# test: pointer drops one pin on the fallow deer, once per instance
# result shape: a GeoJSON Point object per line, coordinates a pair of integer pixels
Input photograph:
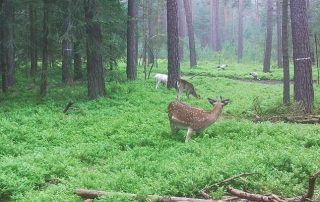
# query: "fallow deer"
{"type": "Point", "coordinates": [161, 78]}
{"type": "Point", "coordinates": [183, 116]}
{"type": "Point", "coordinates": [185, 86]}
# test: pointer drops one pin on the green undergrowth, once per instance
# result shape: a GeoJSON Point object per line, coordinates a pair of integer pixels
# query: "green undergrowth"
{"type": "Point", "coordinates": [122, 142]}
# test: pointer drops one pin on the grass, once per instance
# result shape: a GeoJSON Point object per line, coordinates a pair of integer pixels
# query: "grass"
{"type": "Point", "coordinates": [122, 142]}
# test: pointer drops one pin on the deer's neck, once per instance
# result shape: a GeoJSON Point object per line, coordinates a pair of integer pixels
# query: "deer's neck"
{"type": "Point", "coordinates": [215, 113]}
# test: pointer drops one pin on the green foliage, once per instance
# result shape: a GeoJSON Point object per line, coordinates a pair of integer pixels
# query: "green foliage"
{"type": "Point", "coordinates": [122, 142]}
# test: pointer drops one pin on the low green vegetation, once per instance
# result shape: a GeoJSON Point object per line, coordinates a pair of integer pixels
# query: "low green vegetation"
{"type": "Point", "coordinates": [122, 142]}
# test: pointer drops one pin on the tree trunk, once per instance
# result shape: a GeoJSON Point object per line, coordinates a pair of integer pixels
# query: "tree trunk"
{"type": "Point", "coordinates": [45, 54]}
{"type": "Point", "coordinates": [173, 44]}
{"type": "Point", "coordinates": [268, 45]}
{"type": "Point", "coordinates": [132, 40]}
{"type": "Point", "coordinates": [279, 35]}
{"type": "Point", "coordinates": [192, 47]}
{"type": "Point", "coordinates": [240, 32]}
{"type": "Point", "coordinates": [2, 52]}
{"type": "Point", "coordinates": [285, 54]}
{"type": "Point", "coordinates": [77, 62]}
{"type": "Point", "coordinates": [215, 40]}
{"type": "Point", "coordinates": [303, 84]}
{"type": "Point", "coordinates": [33, 42]}
{"type": "Point", "coordinates": [150, 32]}
{"type": "Point", "coordinates": [96, 85]}
{"type": "Point", "coordinates": [67, 44]}
{"type": "Point", "coordinates": [9, 41]}
{"type": "Point", "coordinates": [182, 26]}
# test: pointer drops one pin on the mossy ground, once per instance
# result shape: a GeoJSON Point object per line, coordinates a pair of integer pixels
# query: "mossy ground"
{"type": "Point", "coordinates": [122, 142]}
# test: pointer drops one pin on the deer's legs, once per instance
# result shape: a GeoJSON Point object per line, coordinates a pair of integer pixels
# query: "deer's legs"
{"type": "Point", "coordinates": [189, 134]}
{"type": "Point", "coordinates": [178, 94]}
{"type": "Point", "coordinates": [174, 130]}
{"type": "Point", "coordinates": [158, 83]}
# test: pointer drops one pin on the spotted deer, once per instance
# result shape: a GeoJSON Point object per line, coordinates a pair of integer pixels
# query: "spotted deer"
{"type": "Point", "coordinates": [183, 116]}
{"type": "Point", "coordinates": [185, 86]}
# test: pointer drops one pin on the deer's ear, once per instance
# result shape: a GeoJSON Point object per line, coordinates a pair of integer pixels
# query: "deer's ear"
{"type": "Point", "coordinates": [226, 101]}
{"type": "Point", "coordinates": [211, 101]}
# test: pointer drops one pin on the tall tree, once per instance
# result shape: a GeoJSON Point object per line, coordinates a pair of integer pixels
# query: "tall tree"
{"type": "Point", "coordinates": [268, 44]}
{"type": "Point", "coordinates": [9, 40]}
{"type": "Point", "coordinates": [303, 84]}
{"type": "Point", "coordinates": [173, 43]}
{"type": "Point", "coordinates": [285, 54]}
{"type": "Point", "coordinates": [215, 28]}
{"type": "Point", "coordinates": [132, 40]}
{"type": "Point", "coordinates": [3, 65]}
{"type": "Point", "coordinates": [279, 34]}
{"type": "Point", "coordinates": [33, 41]}
{"type": "Point", "coordinates": [45, 52]}
{"type": "Point", "coordinates": [192, 47]}
{"type": "Point", "coordinates": [67, 77]}
{"type": "Point", "coordinates": [150, 32]}
{"type": "Point", "coordinates": [182, 26]}
{"type": "Point", "coordinates": [96, 85]}
{"type": "Point", "coordinates": [240, 31]}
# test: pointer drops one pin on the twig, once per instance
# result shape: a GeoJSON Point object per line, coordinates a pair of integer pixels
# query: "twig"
{"type": "Point", "coordinates": [67, 107]}
{"type": "Point", "coordinates": [312, 183]}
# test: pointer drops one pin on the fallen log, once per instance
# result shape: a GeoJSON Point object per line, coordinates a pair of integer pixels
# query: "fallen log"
{"type": "Point", "coordinates": [67, 107]}
{"type": "Point", "coordinates": [254, 197]}
{"type": "Point", "coordinates": [92, 194]}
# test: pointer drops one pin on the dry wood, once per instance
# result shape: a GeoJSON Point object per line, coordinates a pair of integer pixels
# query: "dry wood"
{"type": "Point", "coordinates": [67, 107]}
{"type": "Point", "coordinates": [308, 119]}
{"type": "Point", "coordinates": [312, 183]}
{"type": "Point", "coordinates": [254, 197]}
{"type": "Point", "coordinates": [92, 194]}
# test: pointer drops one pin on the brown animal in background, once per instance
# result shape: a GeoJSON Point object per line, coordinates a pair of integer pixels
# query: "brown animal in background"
{"type": "Point", "coordinates": [183, 116]}
{"type": "Point", "coordinates": [185, 86]}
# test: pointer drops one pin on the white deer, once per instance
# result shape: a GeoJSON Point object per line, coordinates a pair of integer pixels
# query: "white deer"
{"type": "Point", "coordinates": [185, 86]}
{"type": "Point", "coordinates": [161, 78]}
{"type": "Point", "coordinates": [183, 116]}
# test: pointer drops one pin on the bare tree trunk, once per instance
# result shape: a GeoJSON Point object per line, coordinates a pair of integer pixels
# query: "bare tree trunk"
{"type": "Point", "coordinates": [67, 44]}
{"type": "Point", "coordinates": [214, 21]}
{"type": "Point", "coordinates": [3, 66]}
{"type": "Point", "coordinates": [240, 32]}
{"type": "Point", "coordinates": [182, 27]}
{"type": "Point", "coordinates": [9, 41]}
{"type": "Point", "coordinates": [96, 85]}
{"type": "Point", "coordinates": [173, 44]}
{"type": "Point", "coordinates": [132, 40]}
{"type": "Point", "coordinates": [45, 54]}
{"type": "Point", "coordinates": [268, 45]}
{"type": "Point", "coordinates": [279, 35]}
{"type": "Point", "coordinates": [192, 48]}
{"type": "Point", "coordinates": [33, 41]}
{"type": "Point", "coordinates": [285, 54]}
{"type": "Point", "coordinates": [257, 11]}
{"type": "Point", "coordinates": [77, 62]}
{"type": "Point", "coordinates": [150, 31]}
{"type": "Point", "coordinates": [303, 84]}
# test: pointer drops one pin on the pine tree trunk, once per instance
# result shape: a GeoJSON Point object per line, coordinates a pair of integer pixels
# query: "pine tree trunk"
{"type": "Point", "coordinates": [33, 41]}
{"type": "Point", "coordinates": [3, 66]}
{"type": "Point", "coordinates": [45, 54]}
{"type": "Point", "coordinates": [96, 85]}
{"type": "Point", "coordinates": [303, 84]}
{"type": "Point", "coordinates": [217, 26]}
{"type": "Point", "coordinates": [279, 35]}
{"type": "Point", "coordinates": [240, 31]}
{"type": "Point", "coordinates": [182, 26]}
{"type": "Point", "coordinates": [9, 41]}
{"type": "Point", "coordinates": [67, 44]}
{"type": "Point", "coordinates": [77, 61]}
{"type": "Point", "coordinates": [173, 44]}
{"type": "Point", "coordinates": [131, 41]}
{"type": "Point", "coordinates": [285, 54]}
{"type": "Point", "coordinates": [268, 45]}
{"type": "Point", "coordinates": [192, 47]}
{"type": "Point", "coordinates": [150, 32]}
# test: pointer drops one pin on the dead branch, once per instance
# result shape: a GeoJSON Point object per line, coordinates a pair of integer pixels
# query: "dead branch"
{"type": "Point", "coordinates": [312, 183]}
{"type": "Point", "coordinates": [92, 194]}
{"type": "Point", "coordinates": [254, 197]}
{"type": "Point", "coordinates": [67, 107]}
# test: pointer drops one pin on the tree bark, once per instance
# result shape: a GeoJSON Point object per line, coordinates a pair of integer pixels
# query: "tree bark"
{"type": "Point", "coordinates": [279, 34]}
{"type": "Point", "coordinates": [9, 41]}
{"type": "Point", "coordinates": [150, 32]}
{"type": "Point", "coordinates": [173, 44]}
{"type": "Point", "coordinates": [303, 84]}
{"type": "Point", "coordinates": [285, 54]}
{"type": "Point", "coordinates": [67, 44]}
{"type": "Point", "coordinates": [182, 26]}
{"type": "Point", "coordinates": [215, 28]}
{"type": "Point", "coordinates": [268, 45]}
{"type": "Point", "coordinates": [96, 85]}
{"type": "Point", "coordinates": [132, 40]}
{"type": "Point", "coordinates": [77, 62]}
{"type": "Point", "coordinates": [192, 47]}
{"type": "Point", "coordinates": [3, 65]}
{"type": "Point", "coordinates": [45, 54]}
{"type": "Point", "coordinates": [240, 32]}
{"type": "Point", "coordinates": [33, 41]}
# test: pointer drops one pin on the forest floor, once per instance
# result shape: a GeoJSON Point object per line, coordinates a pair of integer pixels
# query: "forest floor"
{"type": "Point", "coordinates": [122, 142]}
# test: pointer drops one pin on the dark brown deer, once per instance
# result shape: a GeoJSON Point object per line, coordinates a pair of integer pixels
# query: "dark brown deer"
{"type": "Point", "coordinates": [183, 116]}
{"type": "Point", "coordinates": [185, 86]}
